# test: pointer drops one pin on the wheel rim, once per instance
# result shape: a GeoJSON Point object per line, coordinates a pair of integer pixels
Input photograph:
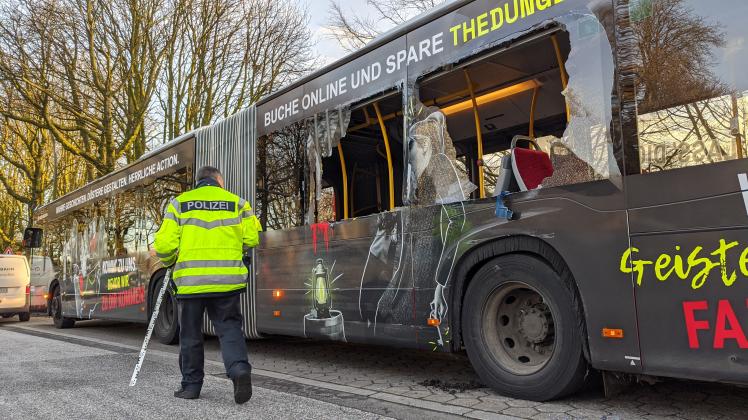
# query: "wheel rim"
{"type": "Point", "coordinates": [518, 327]}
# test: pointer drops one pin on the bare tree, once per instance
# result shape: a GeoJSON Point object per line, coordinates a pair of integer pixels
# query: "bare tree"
{"type": "Point", "coordinates": [27, 174]}
{"type": "Point", "coordinates": [11, 220]}
{"type": "Point", "coordinates": [685, 110]}
{"type": "Point", "coordinates": [87, 70]}
{"type": "Point", "coordinates": [223, 55]}
{"type": "Point", "coordinates": [86, 84]}
{"type": "Point", "coordinates": [353, 31]}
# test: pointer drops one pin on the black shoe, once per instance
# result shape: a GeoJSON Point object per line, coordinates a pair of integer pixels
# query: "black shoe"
{"type": "Point", "coordinates": [242, 387]}
{"type": "Point", "coordinates": [187, 394]}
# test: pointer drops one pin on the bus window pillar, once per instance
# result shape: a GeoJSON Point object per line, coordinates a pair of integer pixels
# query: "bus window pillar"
{"type": "Point", "coordinates": [562, 71]}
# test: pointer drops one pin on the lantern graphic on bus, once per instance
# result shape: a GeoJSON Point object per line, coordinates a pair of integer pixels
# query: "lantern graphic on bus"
{"type": "Point", "coordinates": [321, 293]}
{"type": "Point", "coordinates": [322, 321]}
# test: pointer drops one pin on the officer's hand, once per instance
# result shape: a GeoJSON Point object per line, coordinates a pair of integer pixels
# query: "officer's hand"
{"type": "Point", "coordinates": [172, 287]}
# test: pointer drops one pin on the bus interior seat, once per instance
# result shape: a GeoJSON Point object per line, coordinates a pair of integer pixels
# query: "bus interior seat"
{"type": "Point", "coordinates": [523, 168]}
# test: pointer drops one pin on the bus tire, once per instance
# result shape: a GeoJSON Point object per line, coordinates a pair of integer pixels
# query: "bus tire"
{"type": "Point", "coordinates": [166, 329]}
{"type": "Point", "coordinates": [56, 309]}
{"type": "Point", "coordinates": [521, 329]}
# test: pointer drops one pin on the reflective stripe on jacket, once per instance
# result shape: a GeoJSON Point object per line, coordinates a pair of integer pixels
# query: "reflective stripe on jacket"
{"type": "Point", "coordinates": [203, 235]}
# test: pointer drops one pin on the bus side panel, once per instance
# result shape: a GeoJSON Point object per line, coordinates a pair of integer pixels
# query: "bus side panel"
{"type": "Point", "coordinates": [690, 261]}
{"type": "Point", "coordinates": [96, 287]}
{"type": "Point", "coordinates": [586, 225]}
{"type": "Point", "coordinates": [347, 281]}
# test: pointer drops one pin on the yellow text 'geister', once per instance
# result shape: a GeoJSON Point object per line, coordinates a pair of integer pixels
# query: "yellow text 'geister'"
{"type": "Point", "coordinates": [696, 266]}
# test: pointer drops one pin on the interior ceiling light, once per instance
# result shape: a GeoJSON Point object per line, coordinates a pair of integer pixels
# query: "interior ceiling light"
{"type": "Point", "coordinates": [492, 96]}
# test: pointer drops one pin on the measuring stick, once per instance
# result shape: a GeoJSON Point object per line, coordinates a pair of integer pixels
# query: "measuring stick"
{"type": "Point", "coordinates": [151, 325]}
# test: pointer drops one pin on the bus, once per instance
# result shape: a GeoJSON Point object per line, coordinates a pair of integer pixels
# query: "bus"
{"type": "Point", "coordinates": [551, 186]}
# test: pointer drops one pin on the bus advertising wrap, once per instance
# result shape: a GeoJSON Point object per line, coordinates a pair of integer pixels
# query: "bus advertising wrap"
{"type": "Point", "coordinates": [137, 174]}
{"type": "Point", "coordinates": [458, 34]}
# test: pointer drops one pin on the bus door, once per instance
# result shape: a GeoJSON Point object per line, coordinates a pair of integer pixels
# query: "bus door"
{"type": "Point", "coordinates": [687, 187]}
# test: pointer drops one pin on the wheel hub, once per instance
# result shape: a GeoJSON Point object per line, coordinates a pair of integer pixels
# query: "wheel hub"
{"type": "Point", "coordinates": [522, 329]}
{"type": "Point", "coordinates": [534, 323]}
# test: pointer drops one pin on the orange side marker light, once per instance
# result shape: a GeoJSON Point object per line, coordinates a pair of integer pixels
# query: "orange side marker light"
{"type": "Point", "coordinates": [612, 333]}
{"type": "Point", "coordinates": [277, 294]}
{"type": "Point", "coordinates": [276, 313]}
{"type": "Point", "coordinates": [433, 322]}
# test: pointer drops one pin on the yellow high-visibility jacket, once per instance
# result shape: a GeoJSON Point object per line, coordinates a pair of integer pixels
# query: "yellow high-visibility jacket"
{"type": "Point", "coordinates": [203, 234]}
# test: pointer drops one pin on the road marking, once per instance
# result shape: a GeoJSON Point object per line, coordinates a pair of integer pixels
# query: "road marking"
{"type": "Point", "coordinates": [743, 180]}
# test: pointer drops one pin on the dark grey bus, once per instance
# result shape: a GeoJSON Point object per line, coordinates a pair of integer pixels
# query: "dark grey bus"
{"type": "Point", "coordinates": [552, 186]}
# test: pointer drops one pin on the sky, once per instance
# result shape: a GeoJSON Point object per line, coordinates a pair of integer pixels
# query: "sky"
{"type": "Point", "coordinates": [328, 49]}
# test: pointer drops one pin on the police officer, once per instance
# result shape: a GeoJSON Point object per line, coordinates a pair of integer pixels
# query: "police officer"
{"type": "Point", "coordinates": [203, 235]}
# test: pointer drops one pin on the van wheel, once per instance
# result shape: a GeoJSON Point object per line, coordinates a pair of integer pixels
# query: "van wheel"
{"type": "Point", "coordinates": [24, 316]}
{"type": "Point", "coordinates": [521, 329]}
{"type": "Point", "coordinates": [166, 329]}
{"type": "Point", "coordinates": [56, 309]}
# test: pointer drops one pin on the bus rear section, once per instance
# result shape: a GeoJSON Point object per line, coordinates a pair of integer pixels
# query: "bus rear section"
{"type": "Point", "coordinates": [14, 287]}
{"type": "Point", "coordinates": [619, 245]}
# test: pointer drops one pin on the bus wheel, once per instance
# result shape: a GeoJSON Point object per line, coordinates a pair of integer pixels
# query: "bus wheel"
{"type": "Point", "coordinates": [166, 329]}
{"type": "Point", "coordinates": [521, 329]}
{"type": "Point", "coordinates": [57, 318]}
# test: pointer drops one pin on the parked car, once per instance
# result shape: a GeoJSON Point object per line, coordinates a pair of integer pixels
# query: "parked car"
{"type": "Point", "coordinates": [15, 287]}
{"type": "Point", "coordinates": [42, 275]}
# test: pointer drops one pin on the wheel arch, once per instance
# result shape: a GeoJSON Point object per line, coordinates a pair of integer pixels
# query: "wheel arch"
{"type": "Point", "coordinates": [477, 257]}
{"type": "Point", "coordinates": [51, 294]}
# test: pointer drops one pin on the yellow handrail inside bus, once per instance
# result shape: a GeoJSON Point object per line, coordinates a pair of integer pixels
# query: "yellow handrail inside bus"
{"type": "Point", "coordinates": [532, 112]}
{"type": "Point", "coordinates": [353, 189]}
{"type": "Point", "coordinates": [345, 179]}
{"type": "Point", "coordinates": [481, 181]}
{"type": "Point", "coordinates": [389, 154]}
{"type": "Point", "coordinates": [562, 71]}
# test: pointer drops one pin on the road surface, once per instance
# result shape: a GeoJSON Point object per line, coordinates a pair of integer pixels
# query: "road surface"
{"type": "Point", "coordinates": [84, 372]}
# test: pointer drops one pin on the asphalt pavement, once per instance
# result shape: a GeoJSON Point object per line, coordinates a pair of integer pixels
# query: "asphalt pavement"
{"type": "Point", "coordinates": [84, 373]}
{"type": "Point", "coordinates": [46, 378]}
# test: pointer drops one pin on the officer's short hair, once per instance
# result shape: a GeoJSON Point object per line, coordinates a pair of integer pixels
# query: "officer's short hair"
{"type": "Point", "coordinates": [208, 172]}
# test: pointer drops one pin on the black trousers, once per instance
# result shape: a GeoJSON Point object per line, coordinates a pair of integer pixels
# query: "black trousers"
{"type": "Point", "coordinates": [227, 321]}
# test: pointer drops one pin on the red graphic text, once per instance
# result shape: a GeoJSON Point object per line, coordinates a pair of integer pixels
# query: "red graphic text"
{"type": "Point", "coordinates": [726, 326]}
{"type": "Point", "coordinates": [134, 296]}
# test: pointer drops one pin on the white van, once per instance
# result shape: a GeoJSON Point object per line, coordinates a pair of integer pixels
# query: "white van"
{"type": "Point", "coordinates": [15, 278]}
{"type": "Point", "coordinates": [42, 275]}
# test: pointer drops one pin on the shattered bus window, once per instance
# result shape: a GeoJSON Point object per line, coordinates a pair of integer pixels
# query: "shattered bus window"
{"type": "Point", "coordinates": [585, 152]}
{"type": "Point", "coordinates": [435, 176]}
{"type": "Point", "coordinates": [324, 132]}
{"type": "Point", "coordinates": [528, 116]}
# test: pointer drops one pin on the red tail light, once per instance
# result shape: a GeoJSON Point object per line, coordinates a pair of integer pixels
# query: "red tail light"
{"type": "Point", "coordinates": [28, 290]}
